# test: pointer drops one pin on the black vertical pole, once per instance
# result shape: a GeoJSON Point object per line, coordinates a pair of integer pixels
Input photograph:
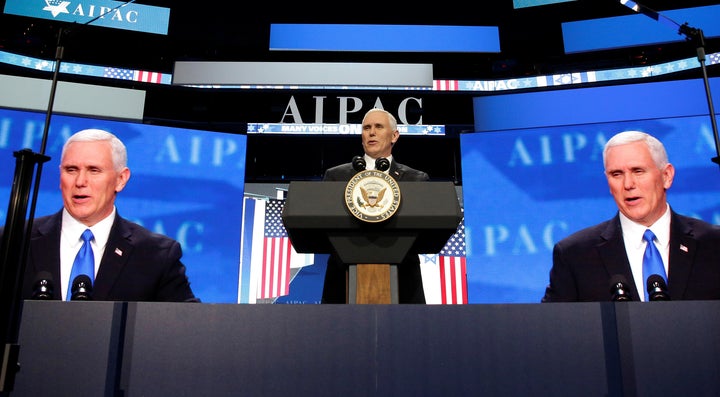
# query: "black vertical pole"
{"type": "Point", "coordinates": [16, 241]}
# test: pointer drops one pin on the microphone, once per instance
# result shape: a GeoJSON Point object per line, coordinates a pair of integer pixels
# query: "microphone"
{"type": "Point", "coordinates": [657, 289]}
{"type": "Point", "coordinates": [358, 163]}
{"type": "Point", "coordinates": [618, 289]}
{"type": "Point", "coordinates": [382, 164]}
{"type": "Point", "coordinates": [44, 286]}
{"type": "Point", "coordinates": [81, 288]}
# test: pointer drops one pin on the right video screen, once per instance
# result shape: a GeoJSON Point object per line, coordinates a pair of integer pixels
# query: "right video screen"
{"type": "Point", "coordinates": [533, 173]}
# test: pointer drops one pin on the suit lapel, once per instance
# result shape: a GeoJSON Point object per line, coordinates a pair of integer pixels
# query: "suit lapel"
{"type": "Point", "coordinates": [395, 171]}
{"type": "Point", "coordinates": [115, 257]}
{"type": "Point", "coordinates": [614, 255]}
{"type": "Point", "coordinates": [45, 254]}
{"type": "Point", "coordinates": [680, 255]}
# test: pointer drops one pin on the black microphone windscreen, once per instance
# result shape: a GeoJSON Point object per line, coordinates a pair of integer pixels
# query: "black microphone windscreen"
{"type": "Point", "coordinates": [81, 288]}
{"type": "Point", "coordinates": [44, 286]}
{"type": "Point", "coordinates": [358, 163]}
{"type": "Point", "coordinates": [382, 164]}
{"type": "Point", "coordinates": [619, 288]}
{"type": "Point", "coordinates": [657, 289]}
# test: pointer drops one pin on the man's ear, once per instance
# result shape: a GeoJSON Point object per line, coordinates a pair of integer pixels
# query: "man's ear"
{"type": "Point", "coordinates": [122, 180]}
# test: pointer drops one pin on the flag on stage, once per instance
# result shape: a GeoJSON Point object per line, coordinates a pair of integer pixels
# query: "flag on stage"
{"type": "Point", "coordinates": [445, 274]}
{"type": "Point", "coordinates": [135, 75]}
{"type": "Point", "coordinates": [266, 253]}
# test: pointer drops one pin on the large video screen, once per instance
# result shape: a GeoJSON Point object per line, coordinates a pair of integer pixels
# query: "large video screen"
{"type": "Point", "coordinates": [534, 178]}
{"type": "Point", "coordinates": [187, 184]}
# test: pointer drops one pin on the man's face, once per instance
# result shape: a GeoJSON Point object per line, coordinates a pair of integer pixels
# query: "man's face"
{"type": "Point", "coordinates": [88, 181]}
{"type": "Point", "coordinates": [377, 137]}
{"type": "Point", "coordinates": [637, 185]}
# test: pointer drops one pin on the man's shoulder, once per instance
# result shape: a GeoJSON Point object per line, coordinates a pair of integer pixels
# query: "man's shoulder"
{"type": "Point", "coordinates": [139, 233]}
{"type": "Point", "coordinates": [593, 234]}
{"type": "Point", "coordinates": [410, 173]}
{"type": "Point", "coordinates": [339, 172]}
{"type": "Point", "coordinates": [697, 226]}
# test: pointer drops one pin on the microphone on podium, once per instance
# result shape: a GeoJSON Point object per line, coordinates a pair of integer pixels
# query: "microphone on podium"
{"type": "Point", "coordinates": [657, 289]}
{"type": "Point", "coordinates": [619, 288]}
{"type": "Point", "coordinates": [358, 163]}
{"type": "Point", "coordinates": [382, 164]}
{"type": "Point", "coordinates": [81, 288]}
{"type": "Point", "coordinates": [44, 286]}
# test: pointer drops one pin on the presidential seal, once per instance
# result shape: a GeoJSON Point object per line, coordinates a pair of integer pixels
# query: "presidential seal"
{"type": "Point", "coordinates": [372, 196]}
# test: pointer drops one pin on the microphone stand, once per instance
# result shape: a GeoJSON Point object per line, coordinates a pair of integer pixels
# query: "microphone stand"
{"type": "Point", "coordinates": [14, 246]}
{"type": "Point", "coordinates": [691, 34]}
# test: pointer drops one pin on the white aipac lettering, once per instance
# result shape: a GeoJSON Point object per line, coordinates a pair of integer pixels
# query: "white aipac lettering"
{"type": "Point", "coordinates": [319, 101]}
{"type": "Point", "coordinates": [347, 105]}
{"type": "Point", "coordinates": [518, 239]}
{"type": "Point", "coordinates": [569, 148]}
{"type": "Point", "coordinates": [190, 230]}
{"type": "Point", "coordinates": [483, 85]}
{"type": "Point", "coordinates": [5, 124]}
{"type": "Point", "coordinates": [706, 141]}
{"type": "Point", "coordinates": [223, 148]}
{"type": "Point", "coordinates": [572, 143]}
{"type": "Point", "coordinates": [131, 16]}
{"type": "Point", "coordinates": [115, 13]}
{"type": "Point", "coordinates": [402, 110]}
{"type": "Point", "coordinates": [169, 151]}
{"type": "Point", "coordinates": [520, 154]}
{"type": "Point", "coordinates": [524, 242]}
{"type": "Point", "coordinates": [357, 105]}
{"type": "Point", "coordinates": [294, 112]}
{"type": "Point", "coordinates": [79, 11]}
{"type": "Point", "coordinates": [552, 232]}
{"type": "Point", "coordinates": [195, 150]}
{"type": "Point", "coordinates": [494, 235]}
{"type": "Point", "coordinates": [116, 16]}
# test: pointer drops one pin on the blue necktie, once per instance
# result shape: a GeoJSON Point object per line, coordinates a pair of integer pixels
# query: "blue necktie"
{"type": "Point", "coordinates": [652, 261]}
{"type": "Point", "coordinates": [84, 262]}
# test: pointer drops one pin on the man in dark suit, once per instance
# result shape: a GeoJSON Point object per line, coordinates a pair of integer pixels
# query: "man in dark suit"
{"type": "Point", "coordinates": [586, 262]}
{"type": "Point", "coordinates": [131, 263]}
{"type": "Point", "coordinates": [379, 134]}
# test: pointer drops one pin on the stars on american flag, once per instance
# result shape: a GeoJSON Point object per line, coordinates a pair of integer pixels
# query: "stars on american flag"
{"type": "Point", "coordinates": [456, 243]}
{"type": "Point", "coordinates": [273, 221]}
{"type": "Point", "coordinates": [117, 73]}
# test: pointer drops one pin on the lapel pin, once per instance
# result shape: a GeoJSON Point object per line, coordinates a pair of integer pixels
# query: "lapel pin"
{"type": "Point", "coordinates": [118, 252]}
{"type": "Point", "coordinates": [683, 248]}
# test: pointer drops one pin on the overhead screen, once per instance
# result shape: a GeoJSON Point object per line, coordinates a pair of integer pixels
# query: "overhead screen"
{"type": "Point", "coordinates": [534, 178]}
{"type": "Point", "coordinates": [187, 184]}
{"type": "Point", "coordinates": [535, 3]}
{"type": "Point", "coordinates": [383, 38]}
{"type": "Point", "coordinates": [639, 29]}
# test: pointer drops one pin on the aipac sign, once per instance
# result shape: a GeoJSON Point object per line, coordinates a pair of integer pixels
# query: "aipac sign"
{"type": "Point", "coordinates": [112, 14]}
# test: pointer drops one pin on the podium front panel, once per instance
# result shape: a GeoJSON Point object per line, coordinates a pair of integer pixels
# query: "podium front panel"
{"type": "Point", "coordinates": [365, 350]}
{"type": "Point", "coordinates": [250, 350]}
{"type": "Point", "coordinates": [673, 348]}
{"type": "Point", "coordinates": [493, 350]}
{"type": "Point", "coordinates": [69, 348]}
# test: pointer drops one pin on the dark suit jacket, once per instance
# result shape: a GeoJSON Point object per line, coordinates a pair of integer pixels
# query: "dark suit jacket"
{"type": "Point", "coordinates": [584, 262]}
{"type": "Point", "coordinates": [137, 265]}
{"type": "Point", "coordinates": [410, 288]}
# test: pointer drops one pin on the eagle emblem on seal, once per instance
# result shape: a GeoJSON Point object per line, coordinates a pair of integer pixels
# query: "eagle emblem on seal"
{"type": "Point", "coordinates": [372, 198]}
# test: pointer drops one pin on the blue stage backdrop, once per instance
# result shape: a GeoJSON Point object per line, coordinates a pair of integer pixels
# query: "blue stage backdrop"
{"type": "Point", "coordinates": [541, 178]}
{"type": "Point", "coordinates": [187, 184]}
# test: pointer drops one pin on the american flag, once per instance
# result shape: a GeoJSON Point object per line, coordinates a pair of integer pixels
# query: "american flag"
{"type": "Point", "coordinates": [453, 268]}
{"type": "Point", "coordinates": [130, 74]}
{"type": "Point", "coordinates": [445, 85]}
{"type": "Point", "coordinates": [445, 274]}
{"type": "Point", "coordinates": [277, 253]}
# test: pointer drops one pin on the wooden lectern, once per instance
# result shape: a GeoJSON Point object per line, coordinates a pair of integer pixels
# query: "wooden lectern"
{"type": "Point", "coordinates": [317, 221]}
